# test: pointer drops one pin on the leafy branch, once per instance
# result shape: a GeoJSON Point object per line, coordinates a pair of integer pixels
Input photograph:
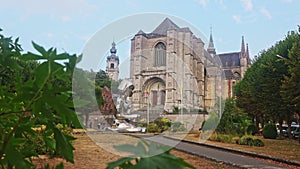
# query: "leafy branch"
{"type": "Point", "coordinates": [148, 155]}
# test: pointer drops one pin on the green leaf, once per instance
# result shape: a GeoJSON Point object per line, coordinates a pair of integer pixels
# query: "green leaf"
{"type": "Point", "coordinates": [122, 161]}
{"type": "Point", "coordinates": [62, 56]}
{"type": "Point", "coordinates": [41, 73]}
{"type": "Point", "coordinates": [40, 49]}
{"type": "Point", "coordinates": [146, 160]}
{"type": "Point", "coordinates": [63, 145]}
{"type": "Point", "coordinates": [15, 157]}
{"type": "Point", "coordinates": [32, 56]}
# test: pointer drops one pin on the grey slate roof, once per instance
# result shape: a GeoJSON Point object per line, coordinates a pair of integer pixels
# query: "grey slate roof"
{"type": "Point", "coordinates": [230, 60]}
{"type": "Point", "coordinates": [162, 28]}
{"type": "Point", "coordinates": [228, 74]}
{"type": "Point", "coordinates": [166, 25]}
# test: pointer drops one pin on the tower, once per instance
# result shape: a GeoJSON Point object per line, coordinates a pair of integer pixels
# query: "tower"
{"type": "Point", "coordinates": [112, 63]}
{"type": "Point", "coordinates": [211, 47]}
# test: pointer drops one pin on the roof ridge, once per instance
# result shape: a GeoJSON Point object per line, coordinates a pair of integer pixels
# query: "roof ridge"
{"type": "Point", "coordinates": [164, 26]}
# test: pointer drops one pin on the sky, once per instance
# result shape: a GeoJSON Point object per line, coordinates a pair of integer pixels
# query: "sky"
{"type": "Point", "coordinates": [72, 25]}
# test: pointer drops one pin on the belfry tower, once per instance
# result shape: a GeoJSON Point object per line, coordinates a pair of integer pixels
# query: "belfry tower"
{"type": "Point", "coordinates": [112, 64]}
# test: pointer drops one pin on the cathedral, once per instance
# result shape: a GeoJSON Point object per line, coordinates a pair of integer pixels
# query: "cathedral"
{"type": "Point", "coordinates": [171, 69]}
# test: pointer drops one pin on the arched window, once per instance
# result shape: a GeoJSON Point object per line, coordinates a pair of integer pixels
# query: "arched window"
{"type": "Point", "coordinates": [112, 66]}
{"type": "Point", "coordinates": [160, 54]}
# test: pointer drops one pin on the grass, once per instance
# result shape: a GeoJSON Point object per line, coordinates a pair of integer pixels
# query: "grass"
{"type": "Point", "coordinates": [285, 149]}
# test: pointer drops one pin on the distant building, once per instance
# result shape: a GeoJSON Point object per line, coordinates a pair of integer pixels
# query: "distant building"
{"type": "Point", "coordinates": [112, 64]}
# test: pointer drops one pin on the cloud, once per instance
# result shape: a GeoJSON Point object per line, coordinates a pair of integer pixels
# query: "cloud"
{"type": "Point", "coordinates": [247, 4]}
{"type": "Point", "coordinates": [203, 3]}
{"type": "Point", "coordinates": [266, 13]}
{"type": "Point", "coordinates": [221, 3]}
{"type": "Point", "coordinates": [237, 18]}
{"type": "Point", "coordinates": [245, 19]}
{"type": "Point", "coordinates": [59, 9]}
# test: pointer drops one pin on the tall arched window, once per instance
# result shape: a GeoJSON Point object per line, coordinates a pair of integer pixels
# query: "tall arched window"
{"type": "Point", "coordinates": [160, 54]}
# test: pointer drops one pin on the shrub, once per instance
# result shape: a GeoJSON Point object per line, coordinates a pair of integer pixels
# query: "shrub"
{"type": "Point", "coordinates": [152, 128]}
{"type": "Point", "coordinates": [250, 141]}
{"type": "Point", "coordinates": [211, 122]}
{"type": "Point", "coordinates": [270, 131]}
{"type": "Point", "coordinates": [162, 123]}
{"type": "Point", "coordinates": [258, 142]}
{"type": "Point", "coordinates": [252, 129]}
{"type": "Point", "coordinates": [235, 139]}
{"type": "Point", "coordinates": [225, 138]}
{"type": "Point", "coordinates": [177, 126]}
{"type": "Point", "coordinates": [64, 129]}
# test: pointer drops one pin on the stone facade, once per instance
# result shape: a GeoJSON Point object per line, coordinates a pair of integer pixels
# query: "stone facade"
{"type": "Point", "coordinates": [167, 69]}
{"type": "Point", "coordinates": [170, 68]}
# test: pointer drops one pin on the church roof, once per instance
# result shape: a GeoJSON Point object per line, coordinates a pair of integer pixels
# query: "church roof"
{"type": "Point", "coordinates": [228, 74]}
{"type": "Point", "coordinates": [166, 25]}
{"type": "Point", "coordinates": [230, 60]}
{"type": "Point", "coordinates": [162, 29]}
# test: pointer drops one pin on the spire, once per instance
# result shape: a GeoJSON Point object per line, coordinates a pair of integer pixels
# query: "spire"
{"type": "Point", "coordinates": [211, 47]}
{"type": "Point", "coordinates": [113, 49]}
{"type": "Point", "coordinates": [247, 51]}
{"type": "Point", "coordinates": [243, 46]}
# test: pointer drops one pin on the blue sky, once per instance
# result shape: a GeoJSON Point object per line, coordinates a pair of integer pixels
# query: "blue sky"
{"type": "Point", "coordinates": [69, 24]}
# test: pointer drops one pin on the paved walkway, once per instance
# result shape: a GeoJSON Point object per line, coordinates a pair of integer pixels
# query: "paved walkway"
{"type": "Point", "coordinates": [215, 154]}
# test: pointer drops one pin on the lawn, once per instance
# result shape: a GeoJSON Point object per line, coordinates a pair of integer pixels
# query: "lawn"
{"type": "Point", "coordinates": [285, 149]}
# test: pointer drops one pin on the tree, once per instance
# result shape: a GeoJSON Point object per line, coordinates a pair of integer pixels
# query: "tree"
{"type": "Point", "coordinates": [259, 93]}
{"type": "Point", "coordinates": [33, 99]}
{"type": "Point", "coordinates": [290, 90]}
{"type": "Point", "coordinates": [233, 120]}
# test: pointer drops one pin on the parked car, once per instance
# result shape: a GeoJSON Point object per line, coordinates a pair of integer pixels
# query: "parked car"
{"type": "Point", "coordinates": [295, 133]}
{"type": "Point", "coordinates": [284, 130]}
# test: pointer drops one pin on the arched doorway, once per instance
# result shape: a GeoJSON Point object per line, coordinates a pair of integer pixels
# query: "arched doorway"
{"type": "Point", "coordinates": [155, 92]}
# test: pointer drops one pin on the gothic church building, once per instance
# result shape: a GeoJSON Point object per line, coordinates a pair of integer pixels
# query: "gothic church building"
{"type": "Point", "coordinates": [169, 68]}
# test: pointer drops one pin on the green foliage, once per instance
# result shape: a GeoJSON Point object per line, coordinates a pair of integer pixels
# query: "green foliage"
{"type": "Point", "coordinates": [152, 128]}
{"type": "Point", "coordinates": [39, 96]}
{"type": "Point", "coordinates": [267, 90]}
{"type": "Point", "coordinates": [163, 124]}
{"type": "Point", "coordinates": [211, 122]}
{"type": "Point", "coordinates": [224, 138]}
{"type": "Point", "coordinates": [177, 126]}
{"type": "Point", "coordinates": [252, 129]}
{"type": "Point", "coordinates": [159, 125]}
{"type": "Point", "coordinates": [269, 131]}
{"type": "Point", "coordinates": [233, 120]}
{"type": "Point", "coordinates": [250, 141]}
{"type": "Point", "coordinates": [147, 155]}
{"type": "Point", "coordinates": [290, 86]}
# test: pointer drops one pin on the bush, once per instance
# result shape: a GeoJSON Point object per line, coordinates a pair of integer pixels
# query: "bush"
{"type": "Point", "coordinates": [270, 131]}
{"type": "Point", "coordinates": [211, 123]}
{"type": "Point", "coordinates": [162, 123]}
{"type": "Point", "coordinates": [252, 129]}
{"type": "Point", "coordinates": [250, 141]}
{"type": "Point", "coordinates": [152, 128]}
{"type": "Point", "coordinates": [177, 126]}
{"type": "Point", "coordinates": [64, 129]}
{"type": "Point", "coordinates": [223, 138]}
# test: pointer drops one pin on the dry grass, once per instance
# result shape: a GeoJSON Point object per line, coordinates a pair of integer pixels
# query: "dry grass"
{"type": "Point", "coordinates": [88, 155]}
{"type": "Point", "coordinates": [286, 149]}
